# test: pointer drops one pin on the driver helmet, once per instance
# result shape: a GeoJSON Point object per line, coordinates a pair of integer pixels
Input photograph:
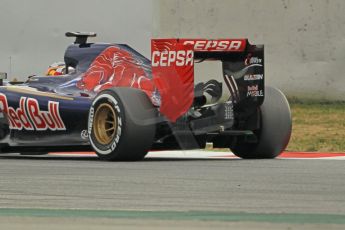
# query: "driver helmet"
{"type": "Point", "coordinates": [56, 69]}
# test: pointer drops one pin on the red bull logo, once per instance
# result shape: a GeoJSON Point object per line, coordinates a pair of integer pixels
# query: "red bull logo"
{"type": "Point", "coordinates": [29, 116]}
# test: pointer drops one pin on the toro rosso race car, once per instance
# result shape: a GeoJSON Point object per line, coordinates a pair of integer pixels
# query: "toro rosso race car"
{"type": "Point", "coordinates": [120, 104]}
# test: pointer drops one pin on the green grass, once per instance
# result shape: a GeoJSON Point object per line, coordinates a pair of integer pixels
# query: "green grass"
{"type": "Point", "coordinates": [317, 126]}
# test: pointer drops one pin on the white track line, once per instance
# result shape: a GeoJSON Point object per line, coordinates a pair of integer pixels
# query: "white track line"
{"type": "Point", "coordinates": [197, 154]}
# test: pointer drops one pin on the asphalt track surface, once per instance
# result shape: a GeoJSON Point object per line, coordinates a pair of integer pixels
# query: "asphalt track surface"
{"type": "Point", "coordinates": [172, 191]}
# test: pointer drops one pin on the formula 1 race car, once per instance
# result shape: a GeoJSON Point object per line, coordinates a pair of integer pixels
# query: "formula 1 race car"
{"type": "Point", "coordinates": [121, 105]}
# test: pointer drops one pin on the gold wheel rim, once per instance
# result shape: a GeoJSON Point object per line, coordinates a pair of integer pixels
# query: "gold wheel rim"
{"type": "Point", "coordinates": [105, 124]}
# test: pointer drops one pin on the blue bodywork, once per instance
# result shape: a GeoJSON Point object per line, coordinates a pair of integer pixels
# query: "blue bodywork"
{"type": "Point", "coordinates": [73, 102]}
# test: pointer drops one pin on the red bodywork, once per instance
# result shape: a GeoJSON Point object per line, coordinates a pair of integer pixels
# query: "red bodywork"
{"type": "Point", "coordinates": [172, 63]}
{"type": "Point", "coordinates": [173, 74]}
{"type": "Point", "coordinates": [115, 67]}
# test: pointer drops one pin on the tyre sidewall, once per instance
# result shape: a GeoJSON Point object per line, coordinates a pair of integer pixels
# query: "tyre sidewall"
{"type": "Point", "coordinates": [112, 99]}
{"type": "Point", "coordinates": [275, 128]}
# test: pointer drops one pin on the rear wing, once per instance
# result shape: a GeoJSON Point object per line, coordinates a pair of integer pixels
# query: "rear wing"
{"type": "Point", "coordinates": [173, 62]}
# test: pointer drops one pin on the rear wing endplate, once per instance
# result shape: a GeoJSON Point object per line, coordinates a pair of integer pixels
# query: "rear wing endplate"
{"type": "Point", "coordinates": [173, 71]}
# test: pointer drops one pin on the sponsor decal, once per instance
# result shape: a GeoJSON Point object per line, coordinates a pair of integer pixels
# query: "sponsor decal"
{"type": "Point", "coordinates": [84, 134]}
{"type": "Point", "coordinates": [216, 45]}
{"type": "Point", "coordinates": [253, 91]}
{"type": "Point", "coordinates": [29, 116]}
{"type": "Point", "coordinates": [105, 149]}
{"type": "Point", "coordinates": [253, 77]}
{"type": "Point", "coordinates": [252, 60]}
{"type": "Point", "coordinates": [173, 75]}
{"type": "Point", "coordinates": [167, 58]}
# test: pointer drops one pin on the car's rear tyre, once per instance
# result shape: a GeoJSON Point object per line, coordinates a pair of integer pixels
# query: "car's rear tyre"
{"type": "Point", "coordinates": [275, 128]}
{"type": "Point", "coordinates": [121, 124]}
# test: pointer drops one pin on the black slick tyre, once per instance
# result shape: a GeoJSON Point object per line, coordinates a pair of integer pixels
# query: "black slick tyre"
{"type": "Point", "coordinates": [275, 128]}
{"type": "Point", "coordinates": [121, 124]}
